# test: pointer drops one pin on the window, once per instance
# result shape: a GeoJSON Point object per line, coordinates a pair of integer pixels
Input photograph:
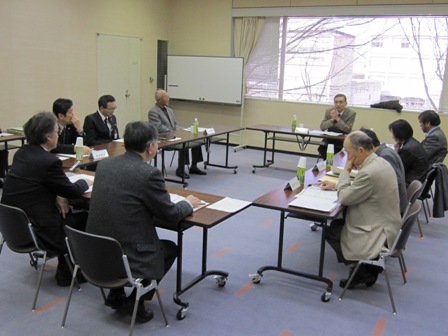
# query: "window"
{"type": "Point", "coordinates": [313, 59]}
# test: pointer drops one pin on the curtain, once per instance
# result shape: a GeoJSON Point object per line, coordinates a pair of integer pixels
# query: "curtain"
{"type": "Point", "coordinates": [246, 33]}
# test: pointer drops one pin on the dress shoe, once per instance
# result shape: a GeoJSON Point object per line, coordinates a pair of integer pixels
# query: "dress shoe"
{"type": "Point", "coordinates": [143, 315]}
{"type": "Point", "coordinates": [115, 299]}
{"type": "Point", "coordinates": [361, 277]}
{"type": "Point", "coordinates": [180, 173]}
{"type": "Point", "coordinates": [197, 171]}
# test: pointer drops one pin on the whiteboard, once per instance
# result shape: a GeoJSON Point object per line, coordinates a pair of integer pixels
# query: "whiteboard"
{"type": "Point", "coordinates": [206, 79]}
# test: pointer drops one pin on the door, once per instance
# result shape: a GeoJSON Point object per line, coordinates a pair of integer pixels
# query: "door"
{"type": "Point", "coordinates": [119, 74]}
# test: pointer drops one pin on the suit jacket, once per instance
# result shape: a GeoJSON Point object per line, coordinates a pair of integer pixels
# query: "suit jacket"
{"type": "Point", "coordinates": [391, 156]}
{"type": "Point", "coordinates": [67, 140]}
{"type": "Point", "coordinates": [435, 146]}
{"type": "Point", "coordinates": [97, 132]}
{"type": "Point", "coordinates": [157, 117]}
{"type": "Point", "coordinates": [415, 161]}
{"type": "Point", "coordinates": [35, 179]}
{"type": "Point", "coordinates": [344, 124]}
{"type": "Point", "coordinates": [128, 198]}
{"type": "Point", "coordinates": [373, 213]}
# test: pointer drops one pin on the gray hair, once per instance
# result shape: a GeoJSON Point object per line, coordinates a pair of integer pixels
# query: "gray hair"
{"type": "Point", "coordinates": [359, 139]}
{"type": "Point", "coordinates": [39, 127]}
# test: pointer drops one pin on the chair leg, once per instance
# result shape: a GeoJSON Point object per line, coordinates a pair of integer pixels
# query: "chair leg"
{"type": "Point", "coordinates": [419, 228]}
{"type": "Point", "coordinates": [103, 294]}
{"type": "Point", "coordinates": [39, 280]}
{"type": "Point", "coordinates": [134, 313]}
{"type": "Point", "coordinates": [390, 290]}
{"type": "Point", "coordinates": [349, 280]}
{"type": "Point", "coordinates": [75, 271]}
{"type": "Point", "coordinates": [403, 267]}
{"type": "Point", "coordinates": [424, 210]}
{"type": "Point", "coordinates": [69, 264]}
{"type": "Point", "coordinates": [172, 158]}
{"type": "Point", "coordinates": [161, 307]}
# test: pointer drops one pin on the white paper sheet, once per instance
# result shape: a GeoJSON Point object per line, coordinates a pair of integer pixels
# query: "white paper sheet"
{"type": "Point", "coordinates": [229, 205]}
{"type": "Point", "coordinates": [75, 177]}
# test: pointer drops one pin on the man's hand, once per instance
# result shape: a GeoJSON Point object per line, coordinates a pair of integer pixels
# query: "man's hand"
{"type": "Point", "coordinates": [62, 204]}
{"type": "Point", "coordinates": [335, 115]}
{"type": "Point", "coordinates": [397, 146]}
{"type": "Point", "coordinates": [349, 165]}
{"type": "Point", "coordinates": [77, 123]}
{"type": "Point", "coordinates": [327, 185]}
{"type": "Point", "coordinates": [86, 150]}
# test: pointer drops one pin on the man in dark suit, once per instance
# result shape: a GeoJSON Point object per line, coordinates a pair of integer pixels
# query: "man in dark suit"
{"type": "Point", "coordinates": [139, 199]}
{"type": "Point", "coordinates": [162, 117]}
{"type": "Point", "coordinates": [434, 143]}
{"type": "Point", "coordinates": [338, 118]}
{"type": "Point", "coordinates": [70, 127]}
{"type": "Point", "coordinates": [101, 127]}
{"type": "Point", "coordinates": [37, 184]}
{"type": "Point", "coordinates": [3, 165]}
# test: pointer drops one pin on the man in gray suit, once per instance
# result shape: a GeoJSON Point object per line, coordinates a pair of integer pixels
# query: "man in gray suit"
{"type": "Point", "coordinates": [391, 156]}
{"type": "Point", "coordinates": [162, 117]}
{"type": "Point", "coordinates": [128, 199]}
{"type": "Point", "coordinates": [372, 217]}
{"type": "Point", "coordinates": [338, 119]}
{"type": "Point", "coordinates": [435, 140]}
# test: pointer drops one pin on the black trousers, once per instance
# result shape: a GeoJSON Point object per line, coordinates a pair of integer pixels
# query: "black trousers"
{"type": "Point", "coordinates": [322, 149]}
{"type": "Point", "coordinates": [3, 163]}
{"type": "Point", "coordinates": [196, 156]}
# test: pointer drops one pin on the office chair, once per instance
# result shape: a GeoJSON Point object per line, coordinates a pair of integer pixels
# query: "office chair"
{"type": "Point", "coordinates": [103, 264]}
{"type": "Point", "coordinates": [395, 252]}
{"type": "Point", "coordinates": [414, 191]}
{"type": "Point", "coordinates": [17, 231]}
{"type": "Point", "coordinates": [426, 193]}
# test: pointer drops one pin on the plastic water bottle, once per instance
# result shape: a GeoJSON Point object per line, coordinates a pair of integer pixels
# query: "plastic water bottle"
{"type": "Point", "coordinates": [330, 154]}
{"type": "Point", "coordinates": [196, 126]}
{"type": "Point", "coordinates": [294, 123]}
{"type": "Point", "coordinates": [79, 149]}
{"type": "Point", "coordinates": [301, 168]}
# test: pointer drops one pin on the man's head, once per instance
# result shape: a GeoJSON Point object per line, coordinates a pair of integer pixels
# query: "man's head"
{"type": "Point", "coordinates": [141, 137]}
{"type": "Point", "coordinates": [428, 119]}
{"type": "Point", "coordinates": [358, 146]}
{"type": "Point", "coordinates": [162, 98]}
{"type": "Point", "coordinates": [340, 102]}
{"type": "Point", "coordinates": [401, 130]}
{"type": "Point", "coordinates": [372, 135]}
{"type": "Point", "coordinates": [63, 110]}
{"type": "Point", "coordinates": [42, 129]}
{"type": "Point", "coordinates": [107, 105]}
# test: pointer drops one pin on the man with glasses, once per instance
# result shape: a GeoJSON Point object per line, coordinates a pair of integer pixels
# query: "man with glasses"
{"type": "Point", "coordinates": [101, 126]}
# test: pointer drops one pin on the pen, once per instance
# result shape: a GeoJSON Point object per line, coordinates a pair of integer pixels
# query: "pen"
{"type": "Point", "coordinates": [75, 165]}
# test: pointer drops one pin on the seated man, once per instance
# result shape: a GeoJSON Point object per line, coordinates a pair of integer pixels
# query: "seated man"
{"type": "Point", "coordinates": [338, 119]}
{"type": "Point", "coordinates": [391, 156]}
{"type": "Point", "coordinates": [69, 127]}
{"type": "Point", "coordinates": [372, 217]}
{"type": "Point", "coordinates": [162, 117]}
{"type": "Point", "coordinates": [129, 216]}
{"type": "Point", "coordinates": [101, 126]}
{"type": "Point", "coordinates": [37, 183]}
{"type": "Point", "coordinates": [411, 152]}
{"type": "Point", "coordinates": [435, 140]}
{"type": "Point", "coordinates": [3, 165]}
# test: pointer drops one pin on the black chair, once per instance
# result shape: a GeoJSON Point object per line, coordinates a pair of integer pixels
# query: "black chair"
{"type": "Point", "coordinates": [426, 192]}
{"type": "Point", "coordinates": [18, 234]}
{"type": "Point", "coordinates": [395, 252]}
{"type": "Point", "coordinates": [414, 191]}
{"type": "Point", "coordinates": [103, 264]}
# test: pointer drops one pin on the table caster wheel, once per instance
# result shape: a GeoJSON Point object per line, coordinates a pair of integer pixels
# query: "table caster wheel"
{"type": "Point", "coordinates": [220, 280]}
{"type": "Point", "coordinates": [235, 171]}
{"type": "Point", "coordinates": [256, 278]}
{"type": "Point", "coordinates": [313, 227]}
{"type": "Point", "coordinates": [325, 297]}
{"type": "Point", "coordinates": [253, 171]}
{"type": "Point", "coordinates": [181, 313]}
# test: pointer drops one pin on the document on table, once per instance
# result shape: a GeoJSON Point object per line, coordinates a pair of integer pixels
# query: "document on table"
{"type": "Point", "coordinates": [175, 198]}
{"type": "Point", "coordinates": [75, 177]}
{"type": "Point", "coordinates": [228, 204]}
{"type": "Point", "coordinates": [315, 198]}
{"type": "Point", "coordinates": [5, 134]}
{"type": "Point", "coordinates": [63, 156]}
{"type": "Point", "coordinates": [119, 140]}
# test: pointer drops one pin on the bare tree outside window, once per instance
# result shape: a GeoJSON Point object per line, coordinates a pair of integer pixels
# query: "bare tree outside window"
{"type": "Point", "coordinates": [368, 59]}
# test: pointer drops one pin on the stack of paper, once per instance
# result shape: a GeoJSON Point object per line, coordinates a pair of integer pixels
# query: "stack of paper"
{"type": "Point", "coordinates": [315, 198]}
{"type": "Point", "coordinates": [175, 198]}
{"type": "Point", "coordinates": [75, 177]}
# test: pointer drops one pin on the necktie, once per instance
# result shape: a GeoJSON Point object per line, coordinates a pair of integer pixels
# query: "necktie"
{"type": "Point", "coordinates": [62, 136]}
{"type": "Point", "coordinates": [109, 125]}
{"type": "Point", "coordinates": [166, 115]}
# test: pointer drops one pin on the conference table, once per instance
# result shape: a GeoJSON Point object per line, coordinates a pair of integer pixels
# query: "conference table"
{"type": "Point", "coordinates": [181, 139]}
{"type": "Point", "coordinates": [5, 138]}
{"type": "Point", "coordinates": [279, 199]}
{"type": "Point", "coordinates": [282, 133]}
{"type": "Point", "coordinates": [205, 218]}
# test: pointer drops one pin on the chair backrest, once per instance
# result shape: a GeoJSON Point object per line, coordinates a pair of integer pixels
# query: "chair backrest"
{"type": "Point", "coordinates": [414, 190]}
{"type": "Point", "coordinates": [406, 228]}
{"type": "Point", "coordinates": [429, 180]}
{"type": "Point", "coordinates": [100, 258]}
{"type": "Point", "coordinates": [14, 228]}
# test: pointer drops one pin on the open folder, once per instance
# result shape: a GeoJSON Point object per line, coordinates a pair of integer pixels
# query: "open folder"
{"type": "Point", "coordinates": [314, 198]}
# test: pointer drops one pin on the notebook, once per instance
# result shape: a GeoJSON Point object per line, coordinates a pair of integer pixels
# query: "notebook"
{"type": "Point", "coordinates": [314, 198]}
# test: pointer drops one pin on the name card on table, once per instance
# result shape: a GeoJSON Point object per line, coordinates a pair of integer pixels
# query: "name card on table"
{"type": "Point", "coordinates": [320, 166]}
{"type": "Point", "coordinates": [293, 184]}
{"type": "Point", "coordinates": [209, 131]}
{"type": "Point", "coordinates": [99, 154]}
